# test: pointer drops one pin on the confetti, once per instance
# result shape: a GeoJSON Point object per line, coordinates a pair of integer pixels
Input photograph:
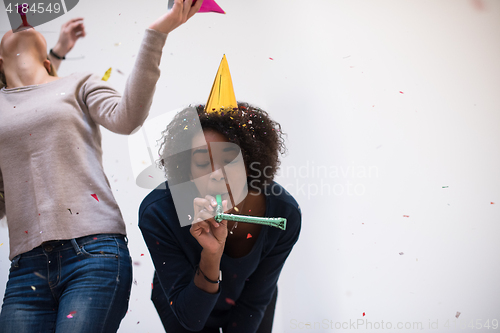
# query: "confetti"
{"type": "Point", "coordinates": [1, 195]}
{"type": "Point", "coordinates": [71, 314]}
{"type": "Point", "coordinates": [137, 263]}
{"type": "Point", "coordinates": [457, 315]}
{"type": "Point", "coordinates": [445, 187]}
{"type": "Point", "coordinates": [185, 128]}
{"type": "Point", "coordinates": [230, 301]}
{"type": "Point", "coordinates": [189, 219]}
{"type": "Point", "coordinates": [249, 236]}
{"type": "Point", "coordinates": [363, 314]}
{"type": "Point", "coordinates": [401, 92]}
{"type": "Point", "coordinates": [271, 58]}
{"type": "Point", "coordinates": [94, 196]}
{"type": "Point", "coordinates": [39, 275]}
{"type": "Point", "coordinates": [33, 287]}
{"type": "Point", "coordinates": [171, 302]}
{"type": "Point", "coordinates": [492, 203]}
{"type": "Point", "coordinates": [406, 215]}
{"type": "Point", "coordinates": [142, 254]}
{"type": "Point", "coordinates": [119, 72]}
{"type": "Point", "coordinates": [236, 209]}
{"type": "Point", "coordinates": [70, 211]}
{"type": "Point", "coordinates": [118, 44]}
{"type": "Point", "coordinates": [401, 253]}
{"type": "Point", "coordinates": [135, 282]}
{"type": "Point", "coordinates": [107, 74]}
{"type": "Point", "coordinates": [25, 231]}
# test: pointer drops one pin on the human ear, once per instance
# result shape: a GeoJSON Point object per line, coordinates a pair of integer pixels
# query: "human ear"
{"type": "Point", "coordinates": [46, 64]}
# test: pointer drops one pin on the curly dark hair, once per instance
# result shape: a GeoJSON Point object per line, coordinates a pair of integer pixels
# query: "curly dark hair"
{"type": "Point", "coordinates": [259, 137]}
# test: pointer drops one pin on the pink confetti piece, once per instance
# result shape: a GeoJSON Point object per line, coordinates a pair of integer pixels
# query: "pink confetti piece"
{"type": "Point", "coordinates": [95, 196]}
{"type": "Point", "coordinates": [271, 58]}
{"type": "Point", "coordinates": [210, 6]}
{"type": "Point", "coordinates": [457, 315]}
{"type": "Point", "coordinates": [401, 92]}
{"type": "Point", "coordinates": [71, 314]}
{"type": "Point", "coordinates": [406, 215]}
{"type": "Point", "coordinates": [137, 263]}
{"type": "Point", "coordinates": [230, 301]}
{"type": "Point", "coordinates": [249, 236]}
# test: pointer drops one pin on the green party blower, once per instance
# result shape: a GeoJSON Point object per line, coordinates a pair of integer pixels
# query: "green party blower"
{"type": "Point", "coordinates": [278, 222]}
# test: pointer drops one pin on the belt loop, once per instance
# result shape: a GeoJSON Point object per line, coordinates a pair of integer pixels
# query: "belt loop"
{"type": "Point", "coordinates": [15, 261]}
{"type": "Point", "coordinates": [76, 247]}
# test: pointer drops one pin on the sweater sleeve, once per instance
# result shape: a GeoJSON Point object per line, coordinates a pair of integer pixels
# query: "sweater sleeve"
{"type": "Point", "coordinates": [2, 197]}
{"type": "Point", "coordinates": [249, 309]}
{"type": "Point", "coordinates": [191, 305]}
{"type": "Point", "coordinates": [124, 114]}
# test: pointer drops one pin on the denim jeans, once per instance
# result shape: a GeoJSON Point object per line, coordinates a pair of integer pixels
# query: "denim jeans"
{"type": "Point", "coordinates": [79, 286]}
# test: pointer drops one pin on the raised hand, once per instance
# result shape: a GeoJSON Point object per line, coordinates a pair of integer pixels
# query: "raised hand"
{"type": "Point", "coordinates": [178, 15]}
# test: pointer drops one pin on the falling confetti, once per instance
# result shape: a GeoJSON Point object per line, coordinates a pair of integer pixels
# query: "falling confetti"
{"type": "Point", "coordinates": [457, 315]}
{"type": "Point", "coordinates": [186, 127]}
{"type": "Point", "coordinates": [401, 253]}
{"type": "Point", "coordinates": [363, 314]}
{"type": "Point", "coordinates": [107, 74]}
{"type": "Point", "coordinates": [445, 187]}
{"type": "Point", "coordinates": [25, 231]}
{"type": "Point", "coordinates": [406, 215]}
{"type": "Point", "coordinates": [137, 263]}
{"type": "Point", "coordinates": [70, 211]}
{"type": "Point", "coordinates": [271, 58]}
{"type": "Point", "coordinates": [401, 92]}
{"type": "Point", "coordinates": [119, 72]}
{"type": "Point", "coordinates": [249, 236]}
{"type": "Point", "coordinates": [71, 314]}
{"type": "Point", "coordinates": [236, 209]}
{"type": "Point", "coordinates": [39, 275]}
{"type": "Point", "coordinates": [33, 287]}
{"type": "Point", "coordinates": [142, 254]}
{"type": "Point", "coordinates": [171, 302]}
{"type": "Point", "coordinates": [492, 203]}
{"type": "Point", "coordinates": [94, 196]}
{"type": "Point", "coordinates": [118, 44]}
{"type": "Point", "coordinates": [230, 301]}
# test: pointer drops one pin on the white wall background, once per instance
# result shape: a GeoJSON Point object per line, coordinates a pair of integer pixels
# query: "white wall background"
{"type": "Point", "coordinates": [399, 97]}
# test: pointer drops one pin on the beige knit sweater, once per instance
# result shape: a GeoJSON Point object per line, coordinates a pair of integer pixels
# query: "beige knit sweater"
{"type": "Point", "coordinates": [52, 183]}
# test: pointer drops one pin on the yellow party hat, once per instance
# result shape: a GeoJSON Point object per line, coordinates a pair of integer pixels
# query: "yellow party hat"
{"type": "Point", "coordinates": [222, 94]}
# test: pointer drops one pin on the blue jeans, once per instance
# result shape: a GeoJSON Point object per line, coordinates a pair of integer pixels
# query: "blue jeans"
{"type": "Point", "coordinates": [80, 285]}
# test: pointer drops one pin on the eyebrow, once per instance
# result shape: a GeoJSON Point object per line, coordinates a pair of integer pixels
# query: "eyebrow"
{"type": "Point", "coordinates": [200, 150]}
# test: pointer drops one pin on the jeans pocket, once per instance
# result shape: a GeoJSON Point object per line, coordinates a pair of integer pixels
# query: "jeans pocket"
{"type": "Point", "coordinates": [101, 248]}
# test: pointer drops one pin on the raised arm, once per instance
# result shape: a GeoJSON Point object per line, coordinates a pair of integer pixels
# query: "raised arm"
{"type": "Point", "coordinates": [71, 31]}
{"type": "Point", "coordinates": [125, 114]}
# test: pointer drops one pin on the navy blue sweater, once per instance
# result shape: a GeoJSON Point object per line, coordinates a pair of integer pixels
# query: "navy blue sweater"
{"type": "Point", "coordinates": [247, 283]}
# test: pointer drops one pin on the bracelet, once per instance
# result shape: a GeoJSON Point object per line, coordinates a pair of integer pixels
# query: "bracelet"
{"type": "Point", "coordinates": [56, 56]}
{"type": "Point", "coordinates": [211, 281]}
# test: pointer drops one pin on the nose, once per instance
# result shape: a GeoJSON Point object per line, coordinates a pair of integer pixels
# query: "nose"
{"type": "Point", "coordinates": [217, 174]}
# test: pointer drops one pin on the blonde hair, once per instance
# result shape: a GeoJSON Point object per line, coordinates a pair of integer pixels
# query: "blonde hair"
{"type": "Point", "coordinates": [3, 79]}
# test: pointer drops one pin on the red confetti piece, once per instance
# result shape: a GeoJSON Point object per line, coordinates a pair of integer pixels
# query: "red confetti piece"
{"type": "Point", "coordinates": [271, 58]}
{"type": "Point", "coordinates": [151, 285]}
{"type": "Point", "coordinates": [406, 215]}
{"type": "Point", "coordinates": [492, 203]}
{"type": "Point", "coordinates": [401, 92]}
{"type": "Point", "coordinates": [25, 231]}
{"type": "Point", "coordinates": [230, 301]}
{"type": "Point", "coordinates": [71, 314]}
{"type": "Point", "coordinates": [94, 196]}
{"type": "Point", "coordinates": [142, 254]}
{"type": "Point", "coordinates": [249, 236]}
{"type": "Point", "coordinates": [363, 314]}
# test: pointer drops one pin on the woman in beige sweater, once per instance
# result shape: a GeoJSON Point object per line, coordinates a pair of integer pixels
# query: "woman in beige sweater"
{"type": "Point", "coordinates": [71, 269]}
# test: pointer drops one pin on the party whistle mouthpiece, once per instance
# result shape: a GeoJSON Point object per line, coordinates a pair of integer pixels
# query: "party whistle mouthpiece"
{"type": "Point", "coordinates": [277, 222]}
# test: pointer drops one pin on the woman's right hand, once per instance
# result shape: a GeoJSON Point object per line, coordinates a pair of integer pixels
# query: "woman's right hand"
{"type": "Point", "coordinates": [210, 234]}
{"type": "Point", "coordinates": [178, 15]}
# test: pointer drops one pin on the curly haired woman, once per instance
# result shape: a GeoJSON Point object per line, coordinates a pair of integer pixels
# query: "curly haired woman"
{"type": "Point", "coordinates": [233, 153]}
